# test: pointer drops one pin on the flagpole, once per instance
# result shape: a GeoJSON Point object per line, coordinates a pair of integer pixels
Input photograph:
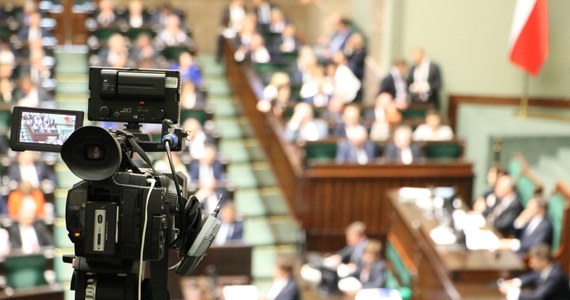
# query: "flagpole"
{"type": "Point", "coordinates": [523, 109]}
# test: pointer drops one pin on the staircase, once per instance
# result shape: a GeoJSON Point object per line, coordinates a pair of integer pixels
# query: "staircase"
{"type": "Point", "coordinates": [268, 225]}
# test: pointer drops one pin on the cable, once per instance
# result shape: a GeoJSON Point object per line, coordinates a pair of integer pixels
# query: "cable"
{"type": "Point", "coordinates": [173, 171]}
{"type": "Point", "coordinates": [152, 183]}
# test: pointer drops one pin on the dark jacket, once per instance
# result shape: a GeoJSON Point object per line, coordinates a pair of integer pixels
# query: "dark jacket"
{"type": "Point", "coordinates": [553, 287]}
{"type": "Point", "coordinates": [346, 152]}
{"type": "Point", "coordinates": [42, 232]}
{"type": "Point", "coordinates": [393, 153]}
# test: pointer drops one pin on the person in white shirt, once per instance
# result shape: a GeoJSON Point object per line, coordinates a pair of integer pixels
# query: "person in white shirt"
{"type": "Point", "coordinates": [231, 229]}
{"type": "Point", "coordinates": [303, 126]}
{"type": "Point", "coordinates": [254, 52]}
{"type": "Point", "coordinates": [432, 129]}
{"type": "Point", "coordinates": [403, 150]}
{"type": "Point", "coordinates": [172, 35]}
{"type": "Point", "coordinates": [136, 18]}
{"type": "Point", "coordinates": [346, 84]}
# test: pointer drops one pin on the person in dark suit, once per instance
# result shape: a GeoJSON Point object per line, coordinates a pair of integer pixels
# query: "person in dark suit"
{"type": "Point", "coordinates": [532, 227]}
{"type": "Point", "coordinates": [230, 24]}
{"type": "Point", "coordinates": [231, 229]}
{"type": "Point", "coordinates": [33, 30]}
{"type": "Point", "coordinates": [340, 36]}
{"type": "Point", "coordinates": [546, 281]}
{"type": "Point", "coordinates": [36, 172]}
{"type": "Point", "coordinates": [136, 16]}
{"type": "Point", "coordinates": [287, 42]}
{"type": "Point", "coordinates": [424, 79]}
{"type": "Point", "coordinates": [262, 10]}
{"type": "Point", "coordinates": [356, 52]}
{"type": "Point", "coordinates": [356, 240]}
{"type": "Point", "coordinates": [356, 149]}
{"type": "Point", "coordinates": [284, 286]}
{"type": "Point", "coordinates": [395, 83]}
{"type": "Point", "coordinates": [207, 167]}
{"type": "Point", "coordinates": [507, 208]}
{"type": "Point", "coordinates": [488, 198]}
{"type": "Point", "coordinates": [370, 274]}
{"type": "Point", "coordinates": [29, 234]}
{"type": "Point", "coordinates": [105, 16]}
{"type": "Point", "coordinates": [402, 149]}
{"type": "Point", "coordinates": [350, 120]}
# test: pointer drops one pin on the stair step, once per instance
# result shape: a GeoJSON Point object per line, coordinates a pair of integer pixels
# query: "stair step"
{"type": "Point", "coordinates": [234, 150]}
{"type": "Point", "coordinates": [242, 176]}
{"type": "Point", "coordinates": [249, 203]}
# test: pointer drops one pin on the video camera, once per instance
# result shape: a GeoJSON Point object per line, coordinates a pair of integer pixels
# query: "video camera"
{"type": "Point", "coordinates": [120, 216]}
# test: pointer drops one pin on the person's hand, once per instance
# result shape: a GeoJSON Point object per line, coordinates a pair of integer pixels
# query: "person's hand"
{"type": "Point", "coordinates": [479, 205]}
{"type": "Point", "coordinates": [332, 261]}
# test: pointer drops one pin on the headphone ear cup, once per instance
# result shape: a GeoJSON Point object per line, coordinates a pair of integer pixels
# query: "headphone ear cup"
{"type": "Point", "coordinates": [193, 223]}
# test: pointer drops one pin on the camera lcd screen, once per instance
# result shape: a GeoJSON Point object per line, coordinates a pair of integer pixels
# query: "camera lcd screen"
{"type": "Point", "coordinates": [42, 129]}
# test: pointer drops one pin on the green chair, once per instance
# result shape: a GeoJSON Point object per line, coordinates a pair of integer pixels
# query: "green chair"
{"type": "Point", "coordinates": [172, 53]}
{"type": "Point", "coordinates": [4, 32]}
{"type": "Point", "coordinates": [438, 150]}
{"type": "Point", "coordinates": [414, 113]}
{"type": "Point", "coordinates": [320, 151]}
{"type": "Point", "coordinates": [289, 58]}
{"type": "Point", "coordinates": [515, 168]}
{"type": "Point", "coordinates": [202, 115]}
{"type": "Point", "coordinates": [103, 34]}
{"type": "Point", "coordinates": [25, 271]}
{"type": "Point", "coordinates": [399, 277]}
{"type": "Point", "coordinates": [526, 188]}
{"type": "Point", "coordinates": [5, 118]}
{"type": "Point", "coordinates": [134, 33]}
{"type": "Point", "coordinates": [555, 211]}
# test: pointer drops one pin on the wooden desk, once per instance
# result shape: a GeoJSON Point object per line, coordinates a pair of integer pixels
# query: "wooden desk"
{"type": "Point", "coordinates": [446, 272]}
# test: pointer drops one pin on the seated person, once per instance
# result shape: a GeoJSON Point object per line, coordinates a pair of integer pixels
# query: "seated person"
{"type": "Point", "coordinates": [135, 16]}
{"type": "Point", "coordinates": [189, 69]}
{"type": "Point", "coordinates": [278, 21]}
{"type": "Point", "coordinates": [190, 96]}
{"type": "Point", "coordinates": [6, 89]}
{"type": "Point", "coordinates": [287, 42]}
{"type": "Point", "coordinates": [25, 192]}
{"type": "Point", "coordinates": [276, 95]}
{"type": "Point", "coordinates": [488, 198]}
{"type": "Point", "coordinates": [207, 195]}
{"type": "Point", "coordinates": [370, 274]}
{"type": "Point", "coordinates": [351, 254]}
{"type": "Point", "coordinates": [301, 70]}
{"type": "Point", "coordinates": [357, 148]}
{"type": "Point", "coordinates": [332, 113]}
{"type": "Point", "coordinates": [36, 68]}
{"type": "Point", "coordinates": [163, 164]}
{"type": "Point", "coordinates": [116, 51]}
{"type": "Point", "coordinates": [531, 227]}
{"type": "Point", "coordinates": [394, 83]}
{"type": "Point", "coordinates": [198, 138]}
{"type": "Point", "coordinates": [318, 89]}
{"type": "Point", "coordinates": [30, 93]}
{"type": "Point", "coordinates": [254, 52]}
{"type": "Point", "coordinates": [36, 172]}
{"type": "Point", "coordinates": [33, 30]}
{"type": "Point", "coordinates": [284, 286]}
{"type": "Point", "coordinates": [546, 280]}
{"type": "Point", "coordinates": [231, 229]}
{"type": "Point", "coordinates": [403, 150]}
{"type": "Point", "coordinates": [303, 126]}
{"type": "Point", "coordinates": [106, 16]}
{"type": "Point", "coordinates": [507, 208]}
{"type": "Point", "coordinates": [172, 35]}
{"type": "Point", "coordinates": [28, 234]}
{"type": "Point", "coordinates": [208, 167]}
{"type": "Point", "coordinates": [385, 116]}
{"type": "Point", "coordinates": [143, 50]}
{"type": "Point", "coordinates": [351, 120]}
{"type": "Point", "coordinates": [432, 129]}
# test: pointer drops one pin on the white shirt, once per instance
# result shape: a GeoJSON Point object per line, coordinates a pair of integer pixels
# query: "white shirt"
{"type": "Point", "coordinates": [136, 21]}
{"type": "Point", "coordinates": [276, 288]}
{"type": "Point", "coordinates": [425, 133]}
{"type": "Point", "coordinates": [421, 73]}
{"type": "Point", "coordinates": [346, 85]}
{"type": "Point", "coordinates": [406, 156]}
{"type": "Point", "coordinates": [4, 242]}
{"type": "Point", "coordinates": [29, 173]}
{"type": "Point", "coordinates": [30, 243]}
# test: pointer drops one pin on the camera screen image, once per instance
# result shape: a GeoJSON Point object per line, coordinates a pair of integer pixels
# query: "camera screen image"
{"type": "Point", "coordinates": [41, 128]}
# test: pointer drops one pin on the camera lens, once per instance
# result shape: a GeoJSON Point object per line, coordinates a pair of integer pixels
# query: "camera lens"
{"type": "Point", "coordinates": [94, 152]}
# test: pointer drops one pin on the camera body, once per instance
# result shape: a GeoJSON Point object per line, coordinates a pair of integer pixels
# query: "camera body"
{"type": "Point", "coordinates": [105, 218]}
{"type": "Point", "coordinates": [121, 216]}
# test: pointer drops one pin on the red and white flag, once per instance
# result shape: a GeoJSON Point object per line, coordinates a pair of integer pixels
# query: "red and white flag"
{"type": "Point", "coordinates": [529, 35]}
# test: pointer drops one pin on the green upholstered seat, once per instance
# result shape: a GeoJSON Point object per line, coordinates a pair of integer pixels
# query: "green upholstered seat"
{"type": "Point", "coordinates": [526, 188]}
{"type": "Point", "coordinates": [515, 168]}
{"type": "Point", "coordinates": [320, 151]}
{"type": "Point", "coordinates": [202, 115]}
{"type": "Point", "coordinates": [452, 150]}
{"type": "Point", "coordinates": [25, 271]}
{"type": "Point", "coordinates": [555, 212]}
{"type": "Point", "coordinates": [414, 113]}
